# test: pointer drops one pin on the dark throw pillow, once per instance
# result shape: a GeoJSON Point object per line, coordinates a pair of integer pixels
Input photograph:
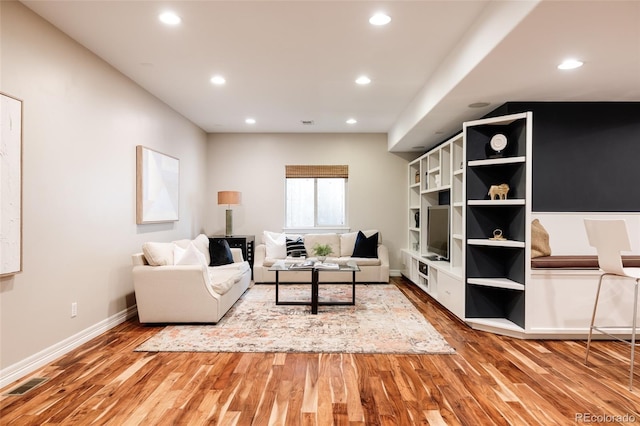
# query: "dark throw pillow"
{"type": "Point", "coordinates": [366, 246]}
{"type": "Point", "coordinates": [220, 252]}
{"type": "Point", "coordinates": [295, 248]}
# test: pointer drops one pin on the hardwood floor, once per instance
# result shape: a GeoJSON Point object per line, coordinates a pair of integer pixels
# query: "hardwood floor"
{"type": "Point", "coordinates": [492, 380]}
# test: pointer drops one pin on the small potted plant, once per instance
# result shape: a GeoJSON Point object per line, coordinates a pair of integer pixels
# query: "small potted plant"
{"type": "Point", "coordinates": [322, 251]}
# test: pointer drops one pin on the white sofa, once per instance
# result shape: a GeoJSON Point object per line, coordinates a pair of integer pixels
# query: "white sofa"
{"type": "Point", "coordinates": [190, 291]}
{"type": "Point", "coordinates": [372, 269]}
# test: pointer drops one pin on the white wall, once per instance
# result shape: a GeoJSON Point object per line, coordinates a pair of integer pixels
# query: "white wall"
{"type": "Point", "coordinates": [254, 164]}
{"type": "Point", "coordinates": [82, 122]}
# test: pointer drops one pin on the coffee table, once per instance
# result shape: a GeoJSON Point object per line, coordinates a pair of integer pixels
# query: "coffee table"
{"type": "Point", "coordinates": [279, 267]}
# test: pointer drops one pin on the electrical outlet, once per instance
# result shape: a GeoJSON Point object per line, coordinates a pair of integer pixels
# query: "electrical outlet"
{"type": "Point", "coordinates": [74, 309]}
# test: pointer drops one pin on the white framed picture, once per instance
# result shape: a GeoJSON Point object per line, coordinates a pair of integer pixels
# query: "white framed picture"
{"type": "Point", "coordinates": [10, 185]}
{"type": "Point", "coordinates": [157, 186]}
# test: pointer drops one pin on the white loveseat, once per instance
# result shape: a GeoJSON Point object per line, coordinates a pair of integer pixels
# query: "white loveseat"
{"type": "Point", "coordinates": [273, 248]}
{"type": "Point", "coordinates": [190, 291]}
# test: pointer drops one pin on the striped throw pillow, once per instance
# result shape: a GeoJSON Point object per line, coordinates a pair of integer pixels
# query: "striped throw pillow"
{"type": "Point", "coordinates": [295, 247]}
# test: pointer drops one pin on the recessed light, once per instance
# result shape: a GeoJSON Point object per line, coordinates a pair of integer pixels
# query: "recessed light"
{"type": "Point", "coordinates": [352, 121]}
{"type": "Point", "coordinates": [478, 104]}
{"type": "Point", "coordinates": [363, 79]}
{"type": "Point", "coordinates": [170, 18]}
{"type": "Point", "coordinates": [218, 80]}
{"type": "Point", "coordinates": [569, 64]}
{"type": "Point", "coordinates": [418, 147]}
{"type": "Point", "coordinates": [250, 120]}
{"type": "Point", "coordinates": [380, 19]}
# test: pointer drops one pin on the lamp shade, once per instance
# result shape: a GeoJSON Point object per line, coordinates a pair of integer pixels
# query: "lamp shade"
{"type": "Point", "coordinates": [228, 197]}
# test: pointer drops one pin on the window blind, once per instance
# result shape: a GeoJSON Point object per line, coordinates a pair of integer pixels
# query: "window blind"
{"type": "Point", "coordinates": [322, 171]}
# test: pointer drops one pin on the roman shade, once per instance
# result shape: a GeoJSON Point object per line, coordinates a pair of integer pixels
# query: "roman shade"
{"type": "Point", "coordinates": [322, 171]}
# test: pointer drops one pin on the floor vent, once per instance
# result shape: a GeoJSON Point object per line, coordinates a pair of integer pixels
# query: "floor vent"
{"type": "Point", "coordinates": [27, 386]}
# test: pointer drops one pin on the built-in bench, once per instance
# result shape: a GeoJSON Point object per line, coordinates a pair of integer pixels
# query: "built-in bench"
{"type": "Point", "coordinates": [563, 288]}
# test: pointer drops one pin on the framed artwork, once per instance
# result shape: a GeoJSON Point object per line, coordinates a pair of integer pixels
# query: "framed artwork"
{"type": "Point", "coordinates": [10, 185]}
{"type": "Point", "coordinates": [157, 186]}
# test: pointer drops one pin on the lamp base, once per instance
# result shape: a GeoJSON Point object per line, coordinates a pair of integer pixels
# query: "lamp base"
{"type": "Point", "coordinates": [229, 223]}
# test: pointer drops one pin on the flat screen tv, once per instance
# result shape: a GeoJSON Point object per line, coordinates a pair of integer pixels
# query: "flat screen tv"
{"type": "Point", "coordinates": [438, 232]}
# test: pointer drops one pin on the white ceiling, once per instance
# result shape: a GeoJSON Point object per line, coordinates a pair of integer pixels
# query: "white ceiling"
{"type": "Point", "coordinates": [288, 61]}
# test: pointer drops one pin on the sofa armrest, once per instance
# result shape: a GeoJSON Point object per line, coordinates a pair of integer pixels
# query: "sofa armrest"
{"type": "Point", "coordinates": [259, 255]}
{"type": "Point", "coordinates": [237, 255]}
{"type": "Point", "coordinates": [383, 254]}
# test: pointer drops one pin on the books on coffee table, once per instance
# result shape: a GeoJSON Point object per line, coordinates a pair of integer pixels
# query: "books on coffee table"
{"type": "Point", "coordinates": [313, 264]}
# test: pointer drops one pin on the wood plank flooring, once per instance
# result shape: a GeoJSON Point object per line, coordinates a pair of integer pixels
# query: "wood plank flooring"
{"type": "Point", "coordinates": [492, 380]}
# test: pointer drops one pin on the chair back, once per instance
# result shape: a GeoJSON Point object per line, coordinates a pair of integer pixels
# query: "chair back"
{"type": "Point", "coordinates": [610, 238]}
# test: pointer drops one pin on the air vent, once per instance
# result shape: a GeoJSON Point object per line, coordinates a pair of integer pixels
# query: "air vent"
{"type": "Point", "coordinates": [27, 386]}
{"type": "Point", "coordinates": [307, 122]}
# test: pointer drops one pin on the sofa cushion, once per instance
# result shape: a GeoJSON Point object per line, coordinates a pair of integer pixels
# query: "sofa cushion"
{"type": "Point", "coordinates": [220, 253]}
{"type": "Point", "coordinates": [348, 241]}
{"type": "Point", "coordinates": [222, 280]}
{"type": "Point", "coordinates": [366, 246]}
{"type": "Point", "coordinates": [158, 254]}
{"type": "Point", "coordinates": [276, 244]}
{"type": "Point", "coordinates": [332, 239]}
{"type": "Point", "coordinates": [295, 245]}
{"type": "Point", "coordinates": [189, 256]}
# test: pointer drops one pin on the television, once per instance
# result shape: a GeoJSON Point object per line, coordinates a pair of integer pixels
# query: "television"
{"type": "Point", "coordinates": [438, 232]}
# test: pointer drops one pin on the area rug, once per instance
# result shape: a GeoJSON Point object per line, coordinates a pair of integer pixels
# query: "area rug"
{"type": "Point", "coordinates": [383, 320]}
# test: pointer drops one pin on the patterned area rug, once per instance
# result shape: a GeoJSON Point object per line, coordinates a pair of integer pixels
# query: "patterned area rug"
{"type": "Point", "coordinates": [383, 320]}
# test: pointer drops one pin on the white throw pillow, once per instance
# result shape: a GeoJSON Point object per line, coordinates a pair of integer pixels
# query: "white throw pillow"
{"type": "Point", "coordinates": [189, 256]}
{"type": "Point", "coordinates": [202, 244]}
{"type": "Point", "coordinates": [158, 254]}
{"type": "Point", "coordinates": [276, 245]}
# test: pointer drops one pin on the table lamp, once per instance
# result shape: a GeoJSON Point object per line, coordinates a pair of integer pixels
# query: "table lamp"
{"type": "Point", "coordinates": [228, 198]}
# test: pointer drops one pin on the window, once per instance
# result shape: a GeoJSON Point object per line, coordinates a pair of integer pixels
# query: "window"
{"type": "Point", "coordinates": [316, 196]}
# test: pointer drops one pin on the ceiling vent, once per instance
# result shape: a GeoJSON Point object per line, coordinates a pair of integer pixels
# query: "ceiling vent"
{"type": "Point", "coordinates": [307, 122]}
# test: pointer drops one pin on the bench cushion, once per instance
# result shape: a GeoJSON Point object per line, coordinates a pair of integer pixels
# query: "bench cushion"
{"type": "Point", "coordinates": [579, 262]}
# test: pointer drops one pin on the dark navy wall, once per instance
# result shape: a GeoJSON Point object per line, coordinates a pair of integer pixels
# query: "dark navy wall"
{"type": "Point", "coordinates": [586, 155]}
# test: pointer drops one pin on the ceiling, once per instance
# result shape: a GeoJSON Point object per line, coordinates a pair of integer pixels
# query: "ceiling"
{"type": "Point", "coordinates": [286, 62]}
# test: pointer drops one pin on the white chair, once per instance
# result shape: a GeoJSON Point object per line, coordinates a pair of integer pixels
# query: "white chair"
{"type": "Point", "coordinates": [610, 238]}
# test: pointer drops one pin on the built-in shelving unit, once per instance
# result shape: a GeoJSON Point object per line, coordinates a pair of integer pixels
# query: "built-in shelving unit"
{"type": "Point", "coordinates": [497, 230]}
{"type": "Point", "coordinates": [488, 282]}
{"type": "Point", "coordinates": [437, 178]}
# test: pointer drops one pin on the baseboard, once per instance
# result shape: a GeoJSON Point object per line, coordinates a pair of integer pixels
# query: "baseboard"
{"type": "Point", "coordinates": [29, 365]}
{"type": "Point", "coordinates": [394, 273]}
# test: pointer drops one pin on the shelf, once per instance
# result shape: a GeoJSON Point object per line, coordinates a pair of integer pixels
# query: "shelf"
{"type": "Point", "coordinates": [414, 229]}
{"type": "Point", "coordinates": [512, 202]}
{"type": "Point", "coordinates": [436, 189]}
{"type": "Point", "coordinates": [499, 323]}
{"type": "Point", "coordinates": [457, 237]}
{"type": "Point", "coordinates": [497, 283]}
{"type": "Point", "coordinates": [414, 185]}
{"type": "Point", "coordinates": [495, 243]}
{"type": "Point", "coordinates": [458, 204]}
{"type": "Point", "coordinates": [458, 172]}
{"type": "Point", "coordinates": [497, 161]}
{"type": "Point", "coordinates": [414, 207]}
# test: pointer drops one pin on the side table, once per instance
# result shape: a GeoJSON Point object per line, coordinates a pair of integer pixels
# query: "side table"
{"type": "Point", "coordinates": [244, 242]}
